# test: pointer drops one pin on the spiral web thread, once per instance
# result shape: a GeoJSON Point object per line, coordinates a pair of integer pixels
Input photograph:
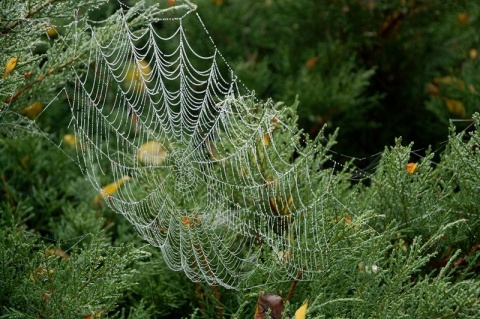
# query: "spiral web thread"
{"type": "Point", "coordinates": [216, 180]}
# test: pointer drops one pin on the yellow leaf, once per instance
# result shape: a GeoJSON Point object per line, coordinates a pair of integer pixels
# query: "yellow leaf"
{"type": "Point", "coordinates": [70, 139]}
{"type": "Point", "coordinates": [152, 153]}
{"type": "Point", "coordinates": [448, 80]}
{"type": "Point", "coordinates": [463, 19]}
{"type": "Point", "coordinates": [266, 139]}
{"type": "Point", "coordinates": [186, 221]}
{"type": "Point", "coordinates": [411, 167]}
{"type": "Point", "coordinates": [191, 221]}
{"type": "Point", "coordinates": [473, 54]}
{"type": "Point", "coordinates": [73, 141]}
{"type": "Point", "coordinates": [348, 219]}
{"type": "Point", "coordinates": [455, 107]}
{"type": "Point", "coordinates": [286, 208]}
{"type": "Point", "coordinates": [111, 189]}
{"type": "Point", "coordinates": [11, 64]}
{"type": "Point", "coordinates": [283, 257]}
{"type": "Point", "coordinates": [273, 205]}
{"type": "Point", "coordinates": [137, 75]}
{"type": "Point", "coordinates": [302, 311]}
{"type": "Point", "coordinates": [58, 253]}
{"type": "Point", "coordinates": [312, 62]}
{"type": "Point", "coordinates": [51, 31]}
{"type": "Point", "coordinates": [33, 110]}
{"type": "Point", "coordinates": [432, 89]}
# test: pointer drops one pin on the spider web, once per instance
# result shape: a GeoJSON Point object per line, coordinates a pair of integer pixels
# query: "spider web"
{"type": "Point", "coordinates": [223, 184]}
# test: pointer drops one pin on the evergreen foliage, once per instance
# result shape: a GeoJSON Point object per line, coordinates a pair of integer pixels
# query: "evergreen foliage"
{"type": "Point", "coordinates": [378, 70]}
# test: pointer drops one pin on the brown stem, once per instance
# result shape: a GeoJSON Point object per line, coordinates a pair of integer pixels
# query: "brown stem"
{"type": "Point", "coordinates": [198, 290]}
{"type": "Point", "coordinates": [294, 285]}
{"type": "Point", "coordinates": [216, 293]}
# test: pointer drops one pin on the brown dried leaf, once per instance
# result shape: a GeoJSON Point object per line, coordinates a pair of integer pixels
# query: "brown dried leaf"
{"type": "Point", "coordinates": [268, 302]}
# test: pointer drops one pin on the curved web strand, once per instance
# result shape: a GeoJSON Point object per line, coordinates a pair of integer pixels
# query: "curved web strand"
{"type": "Point", "coordinates": [215, 179]}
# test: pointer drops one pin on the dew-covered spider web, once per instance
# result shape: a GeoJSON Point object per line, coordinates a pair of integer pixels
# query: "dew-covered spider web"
{"type": "Point", "coordinates": [224, 185]}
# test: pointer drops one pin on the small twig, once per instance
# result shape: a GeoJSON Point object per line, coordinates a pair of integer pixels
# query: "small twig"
{"type": "Point", "coordinates": [39, 78]}
{"type": "Point", "coordinates": [198, 290]}
{"type": "Point", "coordinates": [13, 24]}
{"type": "Point", "coordinates": [216, 294]}
{"type": "Point", "coordinates": [294, 285]}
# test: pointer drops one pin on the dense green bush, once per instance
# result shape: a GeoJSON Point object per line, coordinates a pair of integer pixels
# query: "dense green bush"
{"type": "Point", "coordinates": [408, 246]}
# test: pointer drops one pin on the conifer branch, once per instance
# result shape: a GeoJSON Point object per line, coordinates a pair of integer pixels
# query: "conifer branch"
{"type": "Point", "coordinates": [31, 13]}
{"type": "Point", "coordinates": [39, 79]}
